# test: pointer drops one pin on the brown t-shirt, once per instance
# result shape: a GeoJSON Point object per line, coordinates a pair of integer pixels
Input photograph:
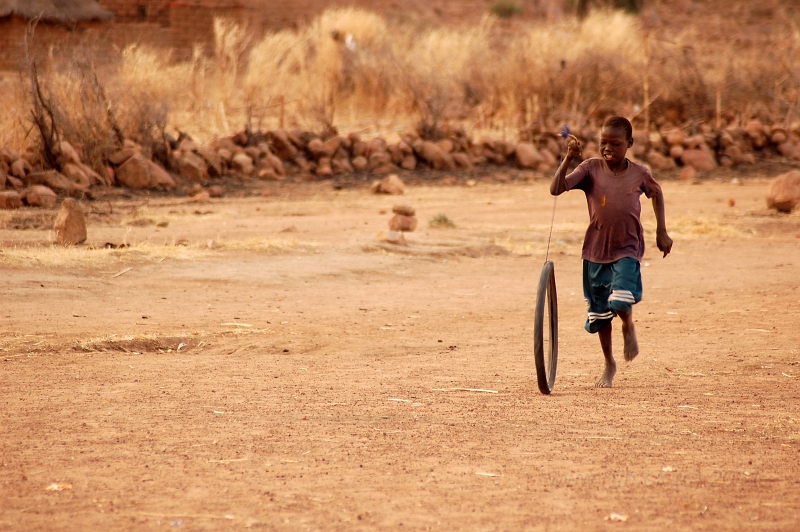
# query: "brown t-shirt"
{"type": "Point", "coordinates": [614, 229]}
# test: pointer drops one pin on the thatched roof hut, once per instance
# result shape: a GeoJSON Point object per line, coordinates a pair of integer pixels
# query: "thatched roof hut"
{"type": "Point", "coordinates": [55, 11]}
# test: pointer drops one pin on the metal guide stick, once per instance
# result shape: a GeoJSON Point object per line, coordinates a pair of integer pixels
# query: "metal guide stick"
{"type": "Point", "coordinates": [552, 220]}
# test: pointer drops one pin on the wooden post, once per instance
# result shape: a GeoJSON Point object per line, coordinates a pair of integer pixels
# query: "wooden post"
{"type": "Point", "coordinates": [718, 116]}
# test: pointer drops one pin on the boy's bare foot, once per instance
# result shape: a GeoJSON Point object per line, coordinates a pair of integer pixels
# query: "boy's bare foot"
{"type": "Point", "coordinates": [607, 377]}
{"type": "Point", "coordinates": [630, 343]}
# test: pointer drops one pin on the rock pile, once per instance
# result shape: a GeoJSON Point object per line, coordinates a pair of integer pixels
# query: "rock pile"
{"type": "Point", "coordinates": [275, 155]}
{"type": "Point", "coordinates": [403, 221]}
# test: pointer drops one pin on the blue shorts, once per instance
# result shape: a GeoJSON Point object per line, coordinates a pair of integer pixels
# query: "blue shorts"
{"type": "Point", "coordinates": [609, 288]}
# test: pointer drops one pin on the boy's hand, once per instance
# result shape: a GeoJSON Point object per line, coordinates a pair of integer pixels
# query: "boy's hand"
{"type": "Point", "coordinates": [664, 242]}
{"type": "Point", "coordinates": [573, 147]}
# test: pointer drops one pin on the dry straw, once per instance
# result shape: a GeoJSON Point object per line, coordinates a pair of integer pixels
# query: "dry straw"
{"type": "Point", "coordinates": [351, 67]}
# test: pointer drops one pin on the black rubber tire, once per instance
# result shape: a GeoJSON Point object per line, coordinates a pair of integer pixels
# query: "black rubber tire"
{"type": "Point", "coordinates": [546, 358]}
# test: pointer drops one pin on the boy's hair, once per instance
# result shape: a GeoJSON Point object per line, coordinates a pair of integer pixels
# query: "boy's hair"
{"type": "Point", "coordinates": [619, 122]}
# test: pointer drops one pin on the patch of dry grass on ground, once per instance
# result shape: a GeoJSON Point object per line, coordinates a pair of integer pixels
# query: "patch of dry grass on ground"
{"type": "Point", "coordinates": [51, 255]}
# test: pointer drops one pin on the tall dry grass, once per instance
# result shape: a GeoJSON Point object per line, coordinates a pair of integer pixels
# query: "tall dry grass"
{"type": "Point", "coordinates": [353, 69]}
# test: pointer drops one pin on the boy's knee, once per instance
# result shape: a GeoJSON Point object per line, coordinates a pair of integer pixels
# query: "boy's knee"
{"type": "Point", "coordinates": [621, 300]}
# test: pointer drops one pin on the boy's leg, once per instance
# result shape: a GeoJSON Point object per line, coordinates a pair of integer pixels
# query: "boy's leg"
{"type": "Point", "coordinates": [626, 290]}
{"type": "Point", "coordinates": [611, 366]}
{"type": "Point", "coordinates": [631, 343]}
{"type": "Point", "coordinates": [597, 279]}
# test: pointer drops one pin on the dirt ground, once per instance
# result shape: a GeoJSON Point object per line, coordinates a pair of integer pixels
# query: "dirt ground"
{"type": "Point", "coordinates": [272, 363]}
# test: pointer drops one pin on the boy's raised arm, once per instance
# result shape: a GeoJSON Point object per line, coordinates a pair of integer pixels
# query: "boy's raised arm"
{"type": "Point", "coordinates": [663, 241]}
{"type": "Point", "coordinates": [559, 184]}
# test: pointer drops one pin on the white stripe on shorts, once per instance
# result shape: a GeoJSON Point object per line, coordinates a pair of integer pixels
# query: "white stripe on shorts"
{"type": "Point", "coordinates": [594, 316]}
{"type": "Point", "coordinates": [622, 295]}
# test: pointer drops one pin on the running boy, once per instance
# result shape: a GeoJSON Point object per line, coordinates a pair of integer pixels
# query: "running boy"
{"type": "Point", "coordinates": [614, 243]}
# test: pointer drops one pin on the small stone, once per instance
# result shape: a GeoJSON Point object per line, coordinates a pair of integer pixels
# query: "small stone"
{"type": "Point", "coordinates": [403, 223]}
{"type": "Point", "coordinates": [70, 225]}
{"type": "Point", "coordinates": [40, 196]}
{"type": "Point", "coordinates": [187, 145]}
{"type": "Point", "coordinates": [10, 199]}
{"type": "Point", "coordinates": [119, 157]}
{"type": "Point", "coordinates": [409, 162]}
{"type": "Point", "coordinates": [282, 146]}
{"type": "Point", "coordinates": [14, 182]}
{"type": "Point", "coordinates": [216, 191]}
{"type": "Point", "coordinates": [462, 160]}
{"type": "Point", "coordinates": [676, 151]}
{"type": "Point", "coordinates": [405, 210]}
{"type": "Point", "coordinates": [688, 173]}
{"type": "Point", "coordinates": [360, 163]}
{"type": "Point", "coordinates": [396, 237]}
{"type": "Point", "coordinates": [21, 168]}
{"type": "Point", "coordinates": [242, 163]}
{"type": "Point", "coordinates": [201, 197]}
{"type": "Point", "coordinates": [675, 137]}
{"type": "Point", "coordinates": [213, 161]}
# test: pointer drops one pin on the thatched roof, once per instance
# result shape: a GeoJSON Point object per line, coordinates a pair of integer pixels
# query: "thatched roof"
{"type": "Point", "coordinates": [60, 11]}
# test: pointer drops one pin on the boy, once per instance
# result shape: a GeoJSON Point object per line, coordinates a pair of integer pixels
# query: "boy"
{"type": "Point", "coordinates": [614, 241]}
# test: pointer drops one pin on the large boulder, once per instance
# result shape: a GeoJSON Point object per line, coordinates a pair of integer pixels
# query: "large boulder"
{"type": "Point", "coordinates": [701, 159]}
{"type": "Point", "coordinates": [282, 146]}
{"type": "Point", "coordinates": [59, 183]}
{"type": "Point", "coordinates": [783, 193]}
{"type": "Point", "coordinates": [70, 225]}
{"type": "Point", "coordinates": [434, 155]}
{"type": "Point", "coordinates": [67, 153]}
{"type": "Point", "coordinates": [134, 173]}
{"type": "Point", "coordinates": [390, 184]}
{"type": "Point", "coordinates": [528, 156]}
{"type": "Point", "coordinates": [213, 161]}
{"type": "Point", "coordinates": [40, 196]}
{"type": "Point", "coordinates": [77, 176]}
{"type": "Point", "coordinates": [192, 167]}
{"type": "Point", "coordinates": [119, 157]}
{"type": "Point", "coordinates": [658, 161]}
{"type": "Point", "coordinates": [159, 178]}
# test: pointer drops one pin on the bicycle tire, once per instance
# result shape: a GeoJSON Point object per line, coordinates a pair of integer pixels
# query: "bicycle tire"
{"type": "Point", "coordinates": [546, 356]}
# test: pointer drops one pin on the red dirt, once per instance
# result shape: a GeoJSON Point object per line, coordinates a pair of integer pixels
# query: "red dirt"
{"type": "Point", "coordinates": [323, 414]}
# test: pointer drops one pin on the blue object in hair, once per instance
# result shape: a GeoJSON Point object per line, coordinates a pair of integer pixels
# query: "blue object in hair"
{"type": "Point", "coordinates": [565, 132]}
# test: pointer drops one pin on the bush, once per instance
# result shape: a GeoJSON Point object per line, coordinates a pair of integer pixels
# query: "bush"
{"type": "Point", "coordinates": [441, 221]}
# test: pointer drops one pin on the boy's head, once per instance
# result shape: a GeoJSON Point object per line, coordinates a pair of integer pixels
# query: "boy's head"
{"type": "Point", "coordinates": [615, 139]}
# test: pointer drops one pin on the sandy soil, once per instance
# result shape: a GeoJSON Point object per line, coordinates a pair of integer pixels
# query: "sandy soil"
{"type": "Point", "coordinates": [271, 363]}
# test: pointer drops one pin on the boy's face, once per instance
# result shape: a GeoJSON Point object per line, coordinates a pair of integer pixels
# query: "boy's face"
{"type": "Point", "coordinates": [614, 144]}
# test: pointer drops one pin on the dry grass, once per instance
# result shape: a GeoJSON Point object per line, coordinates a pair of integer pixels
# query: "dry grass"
{"type": "Point", "coordinates": [694, 228]}
{"type": "Point", "coordinates": [46, 255]}
{"type": "Point", "coordinates": [352, 68]}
